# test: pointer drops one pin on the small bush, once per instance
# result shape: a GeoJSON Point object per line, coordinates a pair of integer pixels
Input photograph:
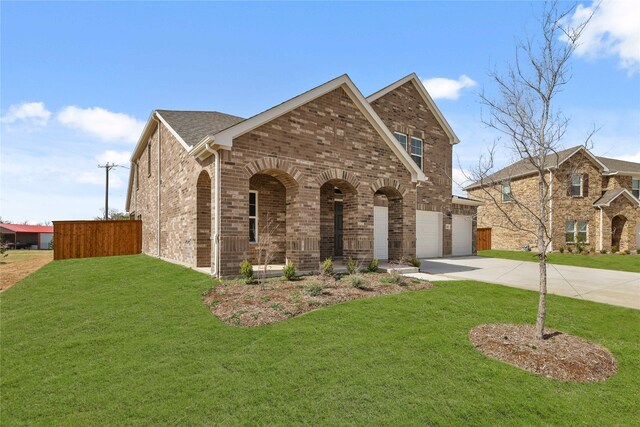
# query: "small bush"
{"type": "Point", "coordinates": [358, 282]}
{"type": "Point", "coordinates": [246, 269]}
{"type": "Point", "coordinates": [614, 249]}
{"type": "Point", "coordinates": [415, 262]}
{"type": "Point", "coordinates": [592, 250]}
{"type": "Point", "coordinates": [327, 267]}
{"type": "Point", "coordinates": [638, 251]}
{"type": "Point", "coordinates": [603, 251]}
{"type": "Point", "coordinates": [373, 265]}
{"type": "Point", "coordinates": [392, 277]}
{"type": "Point", "coordinates": [569, 250]}
{"type": "Point", "coordinates": [561, 249]}
{"type": "Point", "coordinates": [580, 248]}
{"type": "Point", "coordinates": [351, 265]}
{"type": "Point", "coordinates": [289, 270]}
{"type": "Point", "coordinates": [315, 289]}
{"type": "Point", "coordinates": [627, 252]}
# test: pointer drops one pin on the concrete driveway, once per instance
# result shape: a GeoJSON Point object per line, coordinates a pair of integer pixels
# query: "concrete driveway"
{"type": "Point", "coordinates": [607, 286]}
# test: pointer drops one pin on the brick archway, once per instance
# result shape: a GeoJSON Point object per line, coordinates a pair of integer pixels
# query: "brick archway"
{"type": "Point", "coordinates": [338, 175]}
{"type": "Point", "coordinates": [618, 237]}
{"type": "Point", "coordinates": [203, 220]}
{"type": "Point", "coordinates": [338, 219]}
{"type": "Point", "coordinates": [390, 184]}
{"type": "Point", "coordinates": [388, 211]}
{"type": "Point", "coordinates": [280, 169]}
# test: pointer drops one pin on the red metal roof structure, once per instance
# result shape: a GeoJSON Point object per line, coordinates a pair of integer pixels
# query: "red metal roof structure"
{"type": "Point", "coordinates": [24, 228]}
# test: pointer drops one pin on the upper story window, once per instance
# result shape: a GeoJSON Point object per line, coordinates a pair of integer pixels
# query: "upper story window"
{"type": "Point", "coordinates": [402, 139]}
{"type": "Point", "coordinates": [576, 185]}
{"type": "Point", "coordinates": [506, 191]}
{"type": "Point", "coordinates": [253, 216]}
{"type": "Point", "coordinates": [635, 187]}
{"type": "Point", "coordinates": [416, 151]}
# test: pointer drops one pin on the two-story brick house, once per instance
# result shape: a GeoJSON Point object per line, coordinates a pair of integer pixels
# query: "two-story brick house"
{"type": "Point", "coordinates": [326, 174]}
{"type": "Point", "coordinates": [596, 202]}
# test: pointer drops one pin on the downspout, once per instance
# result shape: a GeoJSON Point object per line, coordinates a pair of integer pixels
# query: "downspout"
{"type": "Point", "coordinates": [551, 210]}
{"type": "Point", "coordinates": [601, 243]}
{"type": "Point", "coordinates": [159, 195]}
{"type": "Point", "coordinates": [215, 270]}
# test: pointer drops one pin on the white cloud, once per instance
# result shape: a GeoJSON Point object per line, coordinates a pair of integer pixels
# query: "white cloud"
{"type": "Point", "coordinates": [104, 124]}
{"type": "Point", "coordinates": [30, 112]}
{"type": "Point", "coordinates": [460, 180]}
{"type": "Point", "coordinates": [97, 178]}
{"type": "Point", "coordinates": [629, 157]}
{"type": "Point", "coordinates": [613, 30]}
{"type": "Point", "coordinates": [440, 87]}
{"type": "Point", "coordinates": [112, 156]}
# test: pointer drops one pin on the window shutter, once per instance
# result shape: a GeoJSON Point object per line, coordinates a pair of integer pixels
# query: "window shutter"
{"type": "Point", "coordinates": [585, 185]}
{"type": "Point", "coordinates": [569, 185]}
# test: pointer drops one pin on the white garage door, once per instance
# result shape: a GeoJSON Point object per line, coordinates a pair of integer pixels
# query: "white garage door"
{"type": "Point", "coordinates": [428, 234]}
{"type": "Point", "coordinates": [380, 232]}
{"type": "Point", "coordinates": [462, 230]}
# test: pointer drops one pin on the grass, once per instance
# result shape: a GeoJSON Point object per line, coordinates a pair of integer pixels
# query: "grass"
{"type": "Point", "coordinates": [22, 255]}
{"type": "Point", "coordinates": [604, 261]}
{"type": "Point", "coordinates": [127, 340]}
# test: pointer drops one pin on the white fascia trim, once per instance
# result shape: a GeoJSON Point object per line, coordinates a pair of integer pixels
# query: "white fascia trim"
{"type": "Point", "coordinates": [224, 139]}
{"type": "Point", "coordinates": [629, 196]}
{"type": "Point", "coordinates": [467, 202]}
{"type": "Point", "coordinates": [413, 77]}
{"type": "Point", "coordinates": [175, 134]}
{"type": "Point", "coordinates": [140, 145]}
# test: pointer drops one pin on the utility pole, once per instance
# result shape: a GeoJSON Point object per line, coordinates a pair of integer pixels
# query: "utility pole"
{"type": "Point", "coordinates": [107, 167]}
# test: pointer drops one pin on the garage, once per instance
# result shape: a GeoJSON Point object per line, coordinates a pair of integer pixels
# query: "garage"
{"type": "Point", "coordinates": [428, 234]}
{"type": "Point", "coordinates": [381, 232]}
{"type": "Point", "coordinates": [462, 235]}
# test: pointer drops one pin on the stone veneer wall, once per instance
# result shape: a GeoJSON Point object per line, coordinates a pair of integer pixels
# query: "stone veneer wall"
{"type": "Point", "coordinates": [403, 110]}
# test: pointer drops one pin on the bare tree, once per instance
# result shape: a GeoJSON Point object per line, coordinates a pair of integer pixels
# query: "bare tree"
{"type": "Point", "coordinates": [524, 112]}
{"type": "Point", "coordinates": [264, 247]}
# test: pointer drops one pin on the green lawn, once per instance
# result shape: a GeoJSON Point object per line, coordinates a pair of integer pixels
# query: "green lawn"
{"type": "Point", "coordinates": [126, 340]}
{"type": "Point", "coordinates": [607, 262]}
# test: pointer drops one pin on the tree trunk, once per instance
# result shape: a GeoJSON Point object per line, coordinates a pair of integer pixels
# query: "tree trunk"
{"type": "Point", "coordinates": [542, 303]}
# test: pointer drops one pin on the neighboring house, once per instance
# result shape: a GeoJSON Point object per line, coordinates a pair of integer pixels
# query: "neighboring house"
{"type": "Point", "coordinates": [330, 173]}
{"type": "Point", "coordinates": [21, 236]}
{"type": "Point", "coordinates": [596, 202]}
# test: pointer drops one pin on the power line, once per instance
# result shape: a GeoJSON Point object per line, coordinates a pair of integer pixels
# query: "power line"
{"type": "Point", "coordinates": [107, 168]}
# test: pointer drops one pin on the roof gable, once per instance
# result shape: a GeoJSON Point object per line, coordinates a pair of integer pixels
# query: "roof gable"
{"type": "Point", "coordinates": [610, 195]}
{"type": "Point", "coordinates": [422, 91]}
{"type": "Point", "coordinates": [224, 139]}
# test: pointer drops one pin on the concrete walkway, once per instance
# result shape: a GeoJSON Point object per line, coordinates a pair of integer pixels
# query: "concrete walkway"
{"type": "Point", "coordinates": [606, 286]}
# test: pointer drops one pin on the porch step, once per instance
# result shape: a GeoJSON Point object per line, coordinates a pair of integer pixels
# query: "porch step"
{"type": "Point", "coordinates": [400, 269]}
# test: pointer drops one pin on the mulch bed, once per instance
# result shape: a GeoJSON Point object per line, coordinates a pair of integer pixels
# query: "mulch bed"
{"type": "Point", "coordinates": [240, 304]}
{"type": "Point", "coordinates": [558, 356]}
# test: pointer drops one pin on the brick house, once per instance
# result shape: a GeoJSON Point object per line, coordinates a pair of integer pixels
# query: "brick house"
{"type": "Point", "coordinates": [326, 174]}
{"type": "Point", "coordinates": [596, 202]}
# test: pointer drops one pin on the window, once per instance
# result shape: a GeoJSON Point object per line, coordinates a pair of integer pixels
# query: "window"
{"type": "Point", "coordinates": [402, 139]}
{"type": "Point", "coordinates": [576, 185]}
{"type": "Point", "coordinates": [635, 187]}
{"type": "Point", "coordinates": [253, 216]}
{"type": "Point", "coordinates": [583, 227]}
{"type": "Point", "coordinates": [416, 151]}
{"type": "Point", "coordinates": [149, 159]}
{"type": "Point", "coordinates": [570, 231]}
{"type": "Point", "coordinates": [506, 191]}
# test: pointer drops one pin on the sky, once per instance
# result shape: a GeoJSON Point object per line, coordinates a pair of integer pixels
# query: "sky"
{"type": "Point", "coordinates": [79, 80]}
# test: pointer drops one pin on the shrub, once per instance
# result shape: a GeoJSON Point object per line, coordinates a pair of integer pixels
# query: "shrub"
{"type": "Point", "coordinates": [569, 250]}
{"type": "Point", "coordinates": [603, 251]}
{"type": "Point", "coordinates": [246, 269]}
{"type": "Point", "coordinates": [592, 250]}
{"type": "Point", "coordinates": [627, 252]}
{"type": "Point", "coordinates": [289, 270]}
{"type": "Point", "coordinates": [315, 289]}
{"type": "Point", "coordinates": [415, 262]}
{"type": "Point", "coordinates": [373, 265]}
{"type": "Point", "coordinates": [392, 277]}
{"type": "Point", "coordinates": [638, 251]}
{"type": "Point", "coordinates": [327, 267]}
{"type": "Point", "coordinates": [358, 282]}
{"type": "Point", "coordinates": [351, 265]}
{"type": "Point", "coordinates": [561, 249]}
{"type": "Point", "coordinates": [614, 249]}
{"type": "Point", "coordinates": [580, 248]}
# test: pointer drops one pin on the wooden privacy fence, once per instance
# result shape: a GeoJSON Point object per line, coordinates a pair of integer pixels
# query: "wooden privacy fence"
{"type": "Point", "coordinates": [84, 239]}
{"type": "Point", "coordinates": [484, 239]}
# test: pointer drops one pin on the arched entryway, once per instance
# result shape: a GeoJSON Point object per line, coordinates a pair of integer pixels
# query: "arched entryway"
{"type": "Point", "coordinates": [203, 220]}
{"type": "Point", "coordinates": [338, 219]}
{"type": "Point", "coordinates": [272, 216]}
{"type": "Point", "coordinates": [388, 226]}
{"type": "Point", "coordinates": [618, 240]}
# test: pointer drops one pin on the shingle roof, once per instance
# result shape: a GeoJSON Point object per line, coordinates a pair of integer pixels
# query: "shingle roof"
{"type": "Point", "coordinates": [192, 126]}
{"type": "Point", "coordinates": [524, 167]}
{"type": "Point", "coordinates": [610, 195]}
{"type": "Point", "coordinates": [620, 165]}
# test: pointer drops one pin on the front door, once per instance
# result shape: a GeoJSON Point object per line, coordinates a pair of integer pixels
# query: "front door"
{"type": "Point", "coordinates": [338, 230]}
